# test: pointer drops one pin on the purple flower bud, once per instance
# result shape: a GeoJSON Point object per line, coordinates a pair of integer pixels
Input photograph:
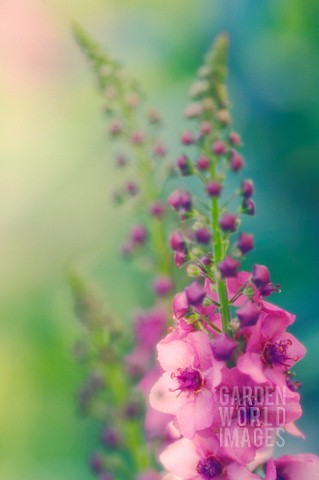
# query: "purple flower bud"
{"type": "Point", "coordinates": [137, 138]}
{"type": "Point", "coordinates": [187, 138]}
{"type": "Point", "coordinates": [180, 200]}
{"type": "Point", "coordinates": [160, 150]}
{"type": "Point", "coordinates": [116, 129]}
{"type": "Point", "coordinates": [206, 259]}
{"type": "Point", "coordinates": [261, 275]}
{"type": "Point", "coordinates": [213, 189]}
{"type": "Point", "coordinates": [106, 476]}
{"type": "Point", "coordinates": [177, 242]}
{"type": "Point", "coordinates": [236, 161]}
{"type": "Point", "coordinates": [205, 128]}
{"type": "Point", "coordinates": [131, 188]}
{"type": "Point", "coordinates": [110, 437]}
{"type": "Point", "coordinates": [180, 258]}
{"type": "Point", "coordinates": [247, 188]}
{"type": "Point", "coordinates": [248, 206]}
{"type": "Point", "coordinates": [121, 160]}
{"type": "Point", "coordinates": [228, 222]}
{"type": "Point", "coordinates": [157, 209]}
{"type": "Point", "coordinates": [234, 138]}
{"type": "Point", "coordinates": [138, 235]}
{"type": "Point", "coordinates": [248, 314]}
{"type": "Point", "coordinates": [96, 463]}
{"type": "Point", "coordinates": [203, 235]}
{"type": "Point", "coordinates": [195, 294]}
{"type": "Point", "coordinates": [162, 286]}
{"type": "Point", "coordinates": [245, 242]}
{"type": "Point", "coordinates": [184, 165]}
{"type": "Point", "coordinates": [203, 163]}
{"type": "Point", "coordinates": [132, 409]}
{"type": "Point", "coordinates": [223, 347]}
{"type": "Point", "coordinates": [219, 147]}
{"type": "Point", "coordinates": [228, 267]}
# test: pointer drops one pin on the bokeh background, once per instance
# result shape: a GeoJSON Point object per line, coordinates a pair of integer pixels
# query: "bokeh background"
{"type": "Point", "coordinates": [56, 176]}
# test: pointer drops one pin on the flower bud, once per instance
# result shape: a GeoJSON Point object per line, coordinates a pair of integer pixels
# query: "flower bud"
{"type": "Point", "coordinates": [157, 209]}
{"type": "Point", "coordinates": [219, 148]}
{"type": "Point", "coordinates": [228, 222]}
{"type": "Point", "coordinates": [193, 270]}
{"type": "Point", "coordinates": [127, 249]}
{"type": "Point", "coordinates": [154, 117]}
{"type": "Point", "coordinates": [138, 235]}
{"type": "Point", "coordinates": [184, 165]}
{"type": "Point", "coordinates": [203, 235]}
{"type": "Point", "coordinates": [213, 189]}
{"type": "Point", "coordinates": [116, 129]}
{"type": "Point", "coordinates": [205, 128]}
{"type": "Point", "coordinates": [137, 138]}
{"type": "Point", "coordinates": [245, 242]}
{"type": "Point", "coordinates": [223, 117]}
{"type": "Point", "coordinates": [106, 476]}
{"type": "Point", "coordinates": [194, 110]}
{"type": "Point", "coordinates": [96, 463]}
{"type": "Point", "coordinates": [247, 188]}
{"type": "Point", "coordinates": [159, 150]}
{"type": "Point", "coordinates": [180, 200]}
{"type": "Point", "coordinates": [248, 314]}
{"type": "Point", "coordinates": [187, 138]}
{"type": "Point", "coordinates": [223, 347]}
{"type": "Point", "coordinates": [131, 188]}
{"type": "Point", "coordinates": [261, 276]}
{"type": "Point", "coordinates": [121, 160]}
{"type": "Point", "coordinates": [236, 161]}
{"type": "Point", "coordinates": [203, 163]}
{"type": "Point", "coordinates": [234, 138]}
{"type": "Point", "coordinates": [195, 294]}
{"type": "Point", "coordinates": [177, 241]}
{"type": "Point", "coordinates": [180, 258]}
{"type": "Point", "coordinates": [162, 286]}
{"type": "Point", "coordinates": [110, 437]}
{"type": "Point", "coordinates": [228, 267]}
{"type": "Point", "coordinates": [248, 206]}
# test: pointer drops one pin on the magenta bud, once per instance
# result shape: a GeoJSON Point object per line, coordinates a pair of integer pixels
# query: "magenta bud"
{"type": "Point", "coordinates": [162, 286]}
{"type": "Point", "coordinates": [137, 138]}
{"type": "Point", "coordinates": [131, 188]}
{"type": "Point", "coordinates": [247, 188]}
{"type": "Point", "coordinates": [228, 267]}
{"type": "Point", "coordinates": [213, 189]}
{"type": "Point", "coordinates": [157, 209]}
{"type": "Point", "coordinates": [180, 200]}
{"type": "Point", "coordinates": [248, 206]}
{"type": "Point", "coordinates": [160, 150]}
{"type": "Point", "coordinates": [219, 147]}
{"type": "Point", "coordinates": [110, 437]}
{"type": "Point", "coordinates": [228, 222]}
{"type": "Point", "coordinates": [203, 163]}
{"type": "Point", "coordinates": [127, 249]}
{"type": "Point", "coordinates": [121, 160]}
{"type": "Point", "coordinates": [116, 129]}
{"type": "Point", "coordinates": [223, 347]}
{"type": "Point", "coordinates": [187, 138]}
{"type": "Point", "coordinates": [205, 128]}
{"type": "Point", "coordinates": [177, 242]}
{"type": "Point", "coordinates": [96, 463]}
{"type": "Point", "coordinates": [234, 138]}
{"type": "Point", "coordinates": [248, 314]}
{"type": "Point", "coordinates": [180, 258]}
{"type": "Point", "coordinates": [203, 235]}
{"type": "Point", "coordinates": [195, 294]}
{"type": "Point", "coordinates": [184, 165]}
{"type": "Point", "coordinates": [206, 260]}
{"type": "Point", "coordinates": [138, 235]}
{"type": "Point", "coordinates": [245, 242]}
{"type": "Point", "coordinates": [261, 276]}
{"type": "Point", "coordinates": [236, 161]}
{"type": "Point", "coordinates": [132, 410]}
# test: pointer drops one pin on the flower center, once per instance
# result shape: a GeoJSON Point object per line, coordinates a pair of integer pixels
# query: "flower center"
{"type": "Point", "coordinates": [209, 468]}
{"type": "Point", "coordinates": [188, 380]}
{"type": "Point", "coordinates": [275, 353]}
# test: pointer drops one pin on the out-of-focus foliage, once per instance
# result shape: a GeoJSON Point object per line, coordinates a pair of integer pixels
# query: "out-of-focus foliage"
{"type": "Point", "coordinates": [56, 175]}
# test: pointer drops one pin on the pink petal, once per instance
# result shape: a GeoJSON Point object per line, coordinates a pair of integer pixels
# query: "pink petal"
{"type": "Point", "coordinates": [181, 459]}
{"type": "Point", "coordinates": [239, 472]}
{"type": "Point", "coordinates": [174, 355]}
{"type": "Point", "coordinates": [163, 399]}
{"type": "Point", "coordinates": [251, 364]}
{"type": "Point", "coordinates": [294, 430]}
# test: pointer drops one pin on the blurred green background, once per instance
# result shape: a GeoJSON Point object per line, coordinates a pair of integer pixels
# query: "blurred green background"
{"type": "Point", "coordinates": [56, 177]}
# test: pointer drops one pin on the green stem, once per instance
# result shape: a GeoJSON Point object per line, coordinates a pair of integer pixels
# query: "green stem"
{"type": "Point", "coordinates": [218, 256]}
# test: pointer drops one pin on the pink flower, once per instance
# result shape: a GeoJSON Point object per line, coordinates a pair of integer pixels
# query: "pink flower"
{"type": "Point", "coordinates": [202, 459]}
{"type": "Point", "coordinates": [304, 466]}
{"type": "Point", "coordinates": [270, 350]}
{"type": "Point", "coordinates": [186, 387]}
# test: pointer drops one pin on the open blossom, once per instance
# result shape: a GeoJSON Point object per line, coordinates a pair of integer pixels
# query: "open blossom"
{"type": "Point", "coordinates": [202, 459]}
{"type": "Point", "coordinates": [304, 466]}
{"type": "Point", "coordinates": [186, 388]}
{"type": "Point", "coordinates": [270, 350]}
